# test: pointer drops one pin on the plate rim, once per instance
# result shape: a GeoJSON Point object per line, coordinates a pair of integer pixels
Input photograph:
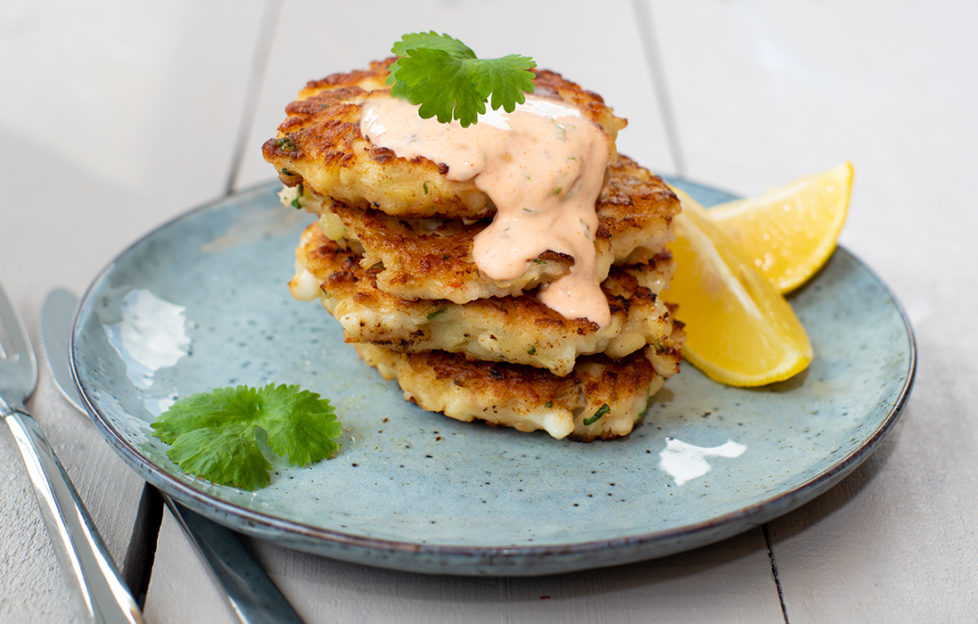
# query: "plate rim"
{"type": "Point", "coordinates": [216, 509]}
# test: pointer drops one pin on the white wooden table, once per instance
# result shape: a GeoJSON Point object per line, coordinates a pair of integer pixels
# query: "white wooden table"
{"type": "Point", "coordinates": [115, 116]}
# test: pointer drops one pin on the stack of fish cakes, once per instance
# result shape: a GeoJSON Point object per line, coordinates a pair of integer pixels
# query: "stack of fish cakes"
{"type": "Point", "coordinates": [391, 258]}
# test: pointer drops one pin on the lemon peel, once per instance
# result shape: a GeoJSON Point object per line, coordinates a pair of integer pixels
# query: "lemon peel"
{"type": "Point", "coordinates": [790, 231]}
{"type": "Point", "coordinates": [740, 330]}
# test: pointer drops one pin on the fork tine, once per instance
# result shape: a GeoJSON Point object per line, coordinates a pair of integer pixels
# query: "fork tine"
{"type": "Point", "coordinates": [11, 328]}
{"type": "Point", "coordinates": [16, 353]}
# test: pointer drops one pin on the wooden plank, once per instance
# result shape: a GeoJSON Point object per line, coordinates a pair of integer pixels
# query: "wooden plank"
{"type": "Point", "coordinates": [114, 119]}
{"type": "Point", "coordinates": [324, 590]}
{"type": "Point", "coordinates": [727, 582]}
{"type": "Point", "coordinates": [182, 588]}
{"type": "Point", "coordinates": [766, 91]}
{"type": "Point", "coordinates": [711, 584]}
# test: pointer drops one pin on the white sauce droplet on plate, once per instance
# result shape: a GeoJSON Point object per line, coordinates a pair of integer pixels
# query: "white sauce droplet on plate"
{"type": "Point", "coordinates": [152, 335]}
{"type": "Point", "coordinates": [684, 461]}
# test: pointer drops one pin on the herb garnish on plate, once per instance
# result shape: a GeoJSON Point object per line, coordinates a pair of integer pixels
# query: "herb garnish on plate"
{"type": "Point", "coordinates": [220, 435]}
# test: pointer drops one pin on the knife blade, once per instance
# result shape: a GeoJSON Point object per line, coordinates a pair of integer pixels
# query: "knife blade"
{"type": "Point", "coordinates": [57, 315]}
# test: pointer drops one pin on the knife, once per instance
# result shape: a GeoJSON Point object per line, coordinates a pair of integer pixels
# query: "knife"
{"type": "Point", "coordinates": [252, 595]}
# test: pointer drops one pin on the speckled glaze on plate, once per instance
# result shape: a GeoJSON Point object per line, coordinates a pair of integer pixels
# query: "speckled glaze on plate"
{"type": "Point", "coordinates": [417, 491]}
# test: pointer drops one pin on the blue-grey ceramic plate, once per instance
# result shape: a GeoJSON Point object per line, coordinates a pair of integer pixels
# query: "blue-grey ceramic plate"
{"type": "Point", "coordinates": [202, 302]}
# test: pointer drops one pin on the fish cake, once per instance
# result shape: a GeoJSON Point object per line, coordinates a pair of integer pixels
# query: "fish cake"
{"type": "Point", "coordinates": [320, 146]}
{"type": "Point", "coordinates": [600, 398]}
{"type": "Point", "coordinates": [432, 258]}
{"type": "Point", "coordinates": [518, 329]}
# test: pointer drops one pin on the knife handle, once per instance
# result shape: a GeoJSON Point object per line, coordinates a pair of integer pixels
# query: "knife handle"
{"type": "Point", "coordinates": [76, 540]}
{"type": "Point", "coordinates": [252, 595]}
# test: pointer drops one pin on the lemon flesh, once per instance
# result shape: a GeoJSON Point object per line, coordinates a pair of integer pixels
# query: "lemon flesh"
{"type": "Point", "coordinates": [740, 331]}
{"type": "Point", "coordinates": [790, 232]}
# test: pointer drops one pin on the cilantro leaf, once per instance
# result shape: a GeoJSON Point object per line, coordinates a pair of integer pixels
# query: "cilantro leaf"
{"type": "Point", "coordinates": [449, 81]}
{"type": "Point", "coordinates": [219, 435]}
{"type": "Point", "coordinates": [228, 456]}
{"type": "Point", "coordinates": [506, 78]}
{"type": "Point", "coordinates": [432, 41]}
{"type": "Point", "coordinates": [300, 425]}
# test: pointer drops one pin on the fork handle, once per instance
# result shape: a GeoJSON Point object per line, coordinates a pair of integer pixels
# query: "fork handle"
{"type": "Point", "coordinates": [76, 540]}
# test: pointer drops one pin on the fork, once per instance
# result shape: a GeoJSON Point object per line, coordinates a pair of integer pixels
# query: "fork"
{"type": "Point", "coordinates": [77, 542]}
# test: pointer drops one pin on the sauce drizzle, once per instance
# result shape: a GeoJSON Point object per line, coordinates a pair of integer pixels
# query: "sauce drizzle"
{"type": "Point", "coordinates": [543, 167]}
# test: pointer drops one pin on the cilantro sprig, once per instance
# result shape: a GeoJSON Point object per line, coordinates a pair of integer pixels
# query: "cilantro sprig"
{"type": "Point", "coordinates": [449, 81]}
{"type": "Point", "coordinates": [220, 435]}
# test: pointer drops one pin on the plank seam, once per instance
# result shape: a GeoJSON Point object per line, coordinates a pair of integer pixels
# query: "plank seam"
{"type": "Point", "coordinates": [650, 44]}
{"type": "Point", "coordinates": [259, 63]}
{"type": "Point", "coordinates": [141, 554]}
{"type": "Point", "coordinates": [774, 572]}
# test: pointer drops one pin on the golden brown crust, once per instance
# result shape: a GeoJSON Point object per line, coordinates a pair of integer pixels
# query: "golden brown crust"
{"type": "Point", "coordinates": [635, 204]}
{"type": "Point", "coordinates": [372, 78]}
{"type": "Point", "coordinates": [432, 258]}
{"type": "Point", "coordinates": [516, 329]}
{"type": "Point", "coordinates": [423, 259]}
{"type": "Point", "coordinates": [320, 145]}
{"type": "Point", "coordinates": [600, 398]}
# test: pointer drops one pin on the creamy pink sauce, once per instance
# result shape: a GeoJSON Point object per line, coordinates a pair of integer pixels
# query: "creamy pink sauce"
{"type": "Point", "coordinates": [542, 165]}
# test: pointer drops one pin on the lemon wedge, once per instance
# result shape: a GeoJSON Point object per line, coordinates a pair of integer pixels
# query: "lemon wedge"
{"type": "Point", "coordinates": [790, 231]}
{"type": "Point", "coordinates": [740, 331]}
